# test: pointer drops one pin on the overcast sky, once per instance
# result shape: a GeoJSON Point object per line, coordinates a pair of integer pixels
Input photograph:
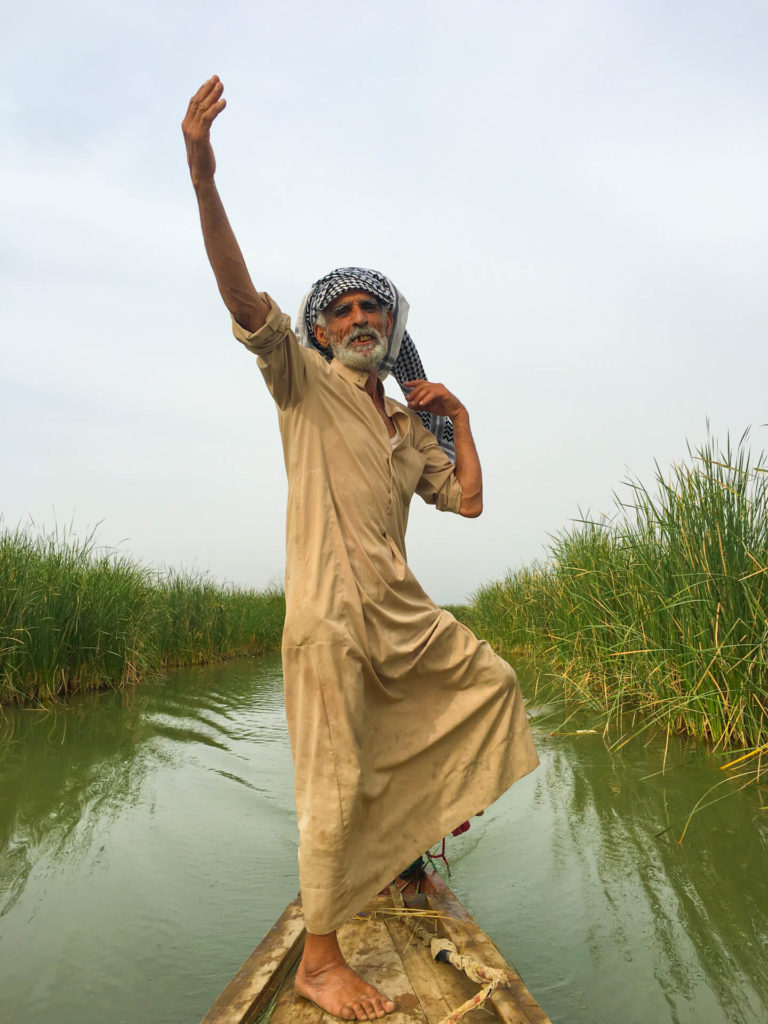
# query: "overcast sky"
{"type": "Point", "coordinates": [571, 195]}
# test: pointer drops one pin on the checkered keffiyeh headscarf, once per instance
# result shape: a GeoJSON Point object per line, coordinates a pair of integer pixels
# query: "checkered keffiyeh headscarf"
{"type": "Point", "coordinates": [401, 360]}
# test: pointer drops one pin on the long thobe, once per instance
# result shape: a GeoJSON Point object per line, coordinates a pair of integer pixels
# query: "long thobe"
{"type": "Point", "coordinates": [402, 724]}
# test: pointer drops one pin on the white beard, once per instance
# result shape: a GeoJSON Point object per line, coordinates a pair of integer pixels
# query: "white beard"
{"type": "Point", "coordinates": [360, 359]}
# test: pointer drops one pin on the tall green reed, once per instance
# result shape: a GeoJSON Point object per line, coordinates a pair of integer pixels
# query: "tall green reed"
{"type": "Point", "coordinates": [660, 608]}
{"type": "Point", "coordinates": [72, 618]}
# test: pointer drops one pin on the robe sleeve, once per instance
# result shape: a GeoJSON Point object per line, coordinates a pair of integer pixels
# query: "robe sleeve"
{"type": "Point", "coordinates": [438, 484]}
{"type": "Point", "coordinates": [282, 360]}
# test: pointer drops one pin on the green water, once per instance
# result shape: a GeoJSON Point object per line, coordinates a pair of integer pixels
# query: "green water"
{"type": "Point", "coordinates": [147, 841]}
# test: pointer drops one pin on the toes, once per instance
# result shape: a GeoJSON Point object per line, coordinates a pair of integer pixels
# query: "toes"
{"type": "Point", "coordinates": [382, 1006]}
{"type": "Point", "coordinates": [367, 1009]}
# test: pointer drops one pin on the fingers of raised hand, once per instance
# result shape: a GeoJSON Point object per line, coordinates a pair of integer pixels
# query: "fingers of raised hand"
{"type": "Point", "coordinates": [204, 107]}
{"type": "Point", "coordinates": [211, 85]}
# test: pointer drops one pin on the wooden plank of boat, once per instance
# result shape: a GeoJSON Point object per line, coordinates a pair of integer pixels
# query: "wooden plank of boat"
{"type": "Point", "coordinates": [259, 979]}
{"type": "Point", "coordinates": [380, 945]}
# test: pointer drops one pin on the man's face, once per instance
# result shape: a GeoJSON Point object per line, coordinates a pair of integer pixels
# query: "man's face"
{"type": "Point", "coordinates": [356, 328]}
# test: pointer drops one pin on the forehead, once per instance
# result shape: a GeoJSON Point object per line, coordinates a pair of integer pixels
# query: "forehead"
{"type": "Point", "coordinates": [351, 297]}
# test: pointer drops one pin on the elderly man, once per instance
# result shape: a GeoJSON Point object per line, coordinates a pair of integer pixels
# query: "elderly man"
{"type": "Point", "coordinates": [402, 723]}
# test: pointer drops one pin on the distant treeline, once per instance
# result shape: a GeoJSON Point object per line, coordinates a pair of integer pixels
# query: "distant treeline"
{"type": "Point", "coordinates": [662, 608]}
{"type": "Point", "coordinates": [74, 619]}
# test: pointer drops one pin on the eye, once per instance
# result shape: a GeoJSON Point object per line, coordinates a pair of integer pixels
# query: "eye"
{"type": "Point", "coordinates": [370, 307]}
{"type": "Point", "coordinates": [341, 311]}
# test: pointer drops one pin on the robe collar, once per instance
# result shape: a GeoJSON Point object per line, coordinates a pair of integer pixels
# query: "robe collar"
{"type": "Point", "coordinates": [357, 377]}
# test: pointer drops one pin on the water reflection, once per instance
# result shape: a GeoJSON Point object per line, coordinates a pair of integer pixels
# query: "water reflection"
{"type": "Point", "coordinates": [695, 903]}
{"type": "Point", "coordinates": [69, 768]}
{"type": "Point", "coordinates": [154, 830]}
{"type": "Point", "coordinates": [63, 768]}
{"type": "Point", "coordinates": [607, 916]}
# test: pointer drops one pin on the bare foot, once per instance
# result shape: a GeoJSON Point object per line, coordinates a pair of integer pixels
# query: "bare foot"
{"type": "Point", "coordinates": [337, 989]}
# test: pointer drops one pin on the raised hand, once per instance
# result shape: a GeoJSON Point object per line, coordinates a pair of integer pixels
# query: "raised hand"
{"type": "Point", "coordinates": [204, 107]}
{"type": "Point", "coordinates": [249, 307]}
{"type": "Point", "coordinates": [432, 397]}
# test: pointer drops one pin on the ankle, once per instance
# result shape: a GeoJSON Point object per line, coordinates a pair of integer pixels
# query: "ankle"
{"type": "Point", "coordinates": [321, 953]}
{"type": "Point", "coordinates": [320, 963]}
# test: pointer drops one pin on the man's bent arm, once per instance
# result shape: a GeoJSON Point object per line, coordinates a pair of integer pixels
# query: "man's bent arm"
{"type": "Point", "coordinates": [468, 470]}
{"type": "Point", "coordinates": [437, 399]}
{"type": "Point", "coordinates": [249, 307]}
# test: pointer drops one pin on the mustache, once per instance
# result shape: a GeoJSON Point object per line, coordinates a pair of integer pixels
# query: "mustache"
{"type": "Point", "coordinates": [365, 332]}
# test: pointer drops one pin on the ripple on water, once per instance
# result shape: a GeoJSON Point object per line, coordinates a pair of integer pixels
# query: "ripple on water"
{"type": "Point", "coordinates": [148, 839]}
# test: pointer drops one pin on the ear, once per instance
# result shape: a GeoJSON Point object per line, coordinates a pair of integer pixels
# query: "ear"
{"type": "Point", "coordinates": [390, 321]}
{"type": "Point", "coordinates": [321, 335]}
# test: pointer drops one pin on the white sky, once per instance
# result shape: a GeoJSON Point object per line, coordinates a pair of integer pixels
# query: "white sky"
{"type": "Point", "coordinates": [571, 195]}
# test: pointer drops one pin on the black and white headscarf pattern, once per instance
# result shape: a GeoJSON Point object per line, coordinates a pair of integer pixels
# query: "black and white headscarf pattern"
{"type": "Point", "coordinates": [402, 360]}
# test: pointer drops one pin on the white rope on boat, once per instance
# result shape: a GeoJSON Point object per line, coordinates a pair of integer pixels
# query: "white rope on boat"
{"type": "Point", "coordinates": [490, 978]}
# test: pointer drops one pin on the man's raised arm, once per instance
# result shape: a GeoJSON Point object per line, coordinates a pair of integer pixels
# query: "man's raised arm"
{"type": "Point", "coordinates": [246, 305]}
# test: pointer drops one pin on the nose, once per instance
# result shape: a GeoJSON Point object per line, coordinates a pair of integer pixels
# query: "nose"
{"type": "Point", "coordinates": [360, 315]}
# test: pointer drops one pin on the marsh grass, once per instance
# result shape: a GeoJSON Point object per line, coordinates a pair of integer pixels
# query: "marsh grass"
{"type": "Point", "coordinates": [73, 618]}
{"type": "Point", "coordinates": [659, 611]}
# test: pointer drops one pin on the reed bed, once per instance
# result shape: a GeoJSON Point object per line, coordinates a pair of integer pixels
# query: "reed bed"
{"type": "Point", "coordinates": [660, 608]}
{"type": "Point", "coordinates": [74, 619]}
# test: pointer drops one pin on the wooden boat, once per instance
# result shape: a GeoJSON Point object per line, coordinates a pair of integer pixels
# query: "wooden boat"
{"type": "Point", "coordinates": [386, 944]}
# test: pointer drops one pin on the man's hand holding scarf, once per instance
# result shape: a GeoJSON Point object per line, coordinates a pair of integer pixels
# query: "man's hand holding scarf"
{"type": "Point", "coordinates": [429, 396]}
{"type": "Point", "coordinates": [432, 397]}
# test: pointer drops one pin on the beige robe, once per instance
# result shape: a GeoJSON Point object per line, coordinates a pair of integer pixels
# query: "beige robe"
{"type": "Point", "coordinates": [402, 723]}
